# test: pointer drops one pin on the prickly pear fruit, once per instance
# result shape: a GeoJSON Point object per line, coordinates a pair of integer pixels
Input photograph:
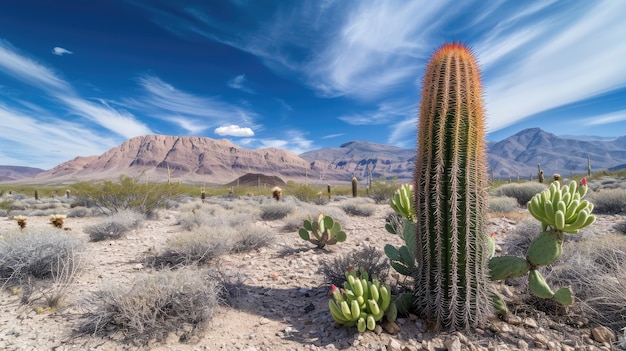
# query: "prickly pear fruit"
{"type": "Point", "coordinates": [545, 249]}
{"type": "Point", "coordinates": [564, 296]}
{"type": "Point", "coordinates": [502, 267]}
{"type": "Point", "coordinates": [538, 285]}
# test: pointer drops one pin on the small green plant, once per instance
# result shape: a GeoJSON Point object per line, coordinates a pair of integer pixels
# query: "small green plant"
{"type": "Point", "coordinates": [403, 258]}
{"type": "Point", "coordinates": [361, 302]}
{"type": "Point", "coordinates": [325, 229]}
{"type": "Point", "coordinates": [382, 189]}
{"type": "Point", "coordinates": [560, 210]}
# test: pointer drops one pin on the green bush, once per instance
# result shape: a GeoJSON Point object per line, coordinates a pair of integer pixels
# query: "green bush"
{"type": "Point", "coordinates": [522, 192]}
{"type": "Point", "coordinates": [303, 192]}
{"type": "Point", "coordinates": [153, 306]}
{"type": "Point", "coordinates": [127, 193]}
{"type": "Point", "coordinates": [382, 189]}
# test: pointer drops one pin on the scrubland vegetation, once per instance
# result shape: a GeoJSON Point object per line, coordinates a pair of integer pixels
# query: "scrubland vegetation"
{"type": "Point", "coordinates": [186, 287]}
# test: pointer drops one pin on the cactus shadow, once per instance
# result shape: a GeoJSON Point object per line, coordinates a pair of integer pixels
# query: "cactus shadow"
{"type": "Point", "coordinates": [302, 312]}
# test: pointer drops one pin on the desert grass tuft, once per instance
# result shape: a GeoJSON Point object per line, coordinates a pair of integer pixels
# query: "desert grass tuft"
{"type": "Point", "coordinates": [115, 226]}
{"type": "Point", "coordinates": [153, 306]}
{"type": "Point", "coordinates": [272, 212]}
{"type": "Point", "coordinates": [361, 207]}
{"type": "Point", "coordinates": [608, 201]}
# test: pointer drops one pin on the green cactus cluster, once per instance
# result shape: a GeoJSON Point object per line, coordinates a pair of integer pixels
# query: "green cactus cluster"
{"type": "Point", "coordinates": [403, 258]}
{"type": "Point", "coordinates": [361, 302]}
{"type": "Point", "coordinates": [560, 210]}
{"type": "Point", "coordinates": [323, 231]}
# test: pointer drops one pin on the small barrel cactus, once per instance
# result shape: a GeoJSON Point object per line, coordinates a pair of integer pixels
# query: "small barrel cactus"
{"type": "Point", "coordinates": [361, 302]}
{"type": "Point", "coordinates": [354, 186]}
{"type": "Point", "coordinates": [325, 230]}
{"type": "Point", "coordinates": [560, 210]}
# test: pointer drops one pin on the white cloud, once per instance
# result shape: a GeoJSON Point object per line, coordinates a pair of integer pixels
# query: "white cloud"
{"type": "Point", "coordinates": [294, 141]}
{"type": "Point", "coordinates": [330, 136]}
{"type": "Point", "coordinates": [404, 133]}
{"type": "Point", "coordinates": [61, 51]}
{"type": "Point", "coordinates": [239, 83]}
{"type": "Point", "coordinates": [234, 130]}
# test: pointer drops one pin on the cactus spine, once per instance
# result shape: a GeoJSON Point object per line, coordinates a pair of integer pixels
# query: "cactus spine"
{"type": "Point", "coordinates": [452, 284]}
{"type": "Point", "coordinates": [354, 186]}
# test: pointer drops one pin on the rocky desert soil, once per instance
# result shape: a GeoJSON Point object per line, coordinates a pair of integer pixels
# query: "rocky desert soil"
{"type": "Point", "coordinates": [281, 303]}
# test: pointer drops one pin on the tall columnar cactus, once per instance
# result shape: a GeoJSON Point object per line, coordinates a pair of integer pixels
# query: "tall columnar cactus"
{"type": "Point", "coordinates": [588, 166]}
{"type": "Point", "coordinates": [452, 285]}
{"type": "Point", "coordinates": [539, 173]}
{"type": "Point", "coordinates": [354, 186]}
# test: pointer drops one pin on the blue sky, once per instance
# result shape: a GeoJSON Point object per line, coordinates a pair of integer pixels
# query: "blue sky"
{"type": "Point", "coordinates": [80, 77]}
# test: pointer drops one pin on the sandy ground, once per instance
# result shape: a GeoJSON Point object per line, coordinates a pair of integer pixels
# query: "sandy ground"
{"type": "Point", "coordinates": [282, 304]}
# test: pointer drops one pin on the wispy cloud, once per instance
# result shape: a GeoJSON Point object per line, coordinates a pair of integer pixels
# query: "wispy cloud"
{"type": "Point", "coordinates": [28, 70]}
{"type": "Point", "coordinates": [234, 130]}
{"type": "Point", "coordinates": [239, 83]}
{"type": "Point", "coordinates": [404, 133]}
{"type": "Point", "coordinates": [189, 111]}
{"type": "Point", "coordinates": [331, 136]}
{"type": "Point", "coordinates": [387, 111]}
{"type": "Point", "coordinates": [42, 142]}
{"type": "Point", "coordinates": [607, 118]}
{"type": "Point", "coordinates": [59, 51]}
{"type": "Point", "coordinates": [294, 141]}
{"type": "Point", "coordinates": [574, 57]}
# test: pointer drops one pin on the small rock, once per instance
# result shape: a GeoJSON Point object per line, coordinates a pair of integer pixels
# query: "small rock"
{"type": "Point", "coordinates": [378, 329]}
{"type": "Point", "coordinates": [514, 320]}
{"type": "Point", "coordinates": [603, 334]}
{"type": "Point", "coordinates": [390, 327]}
{"type": "Point", "coordinates": [522, 345]}
{"type": "Point", "coordinates": [263, 321]}
{"type": "Point", "coordinates": [394, 345]}
{"type": "Point", "coordinates": [309, 308]}
{"type": "Point", "coordinates": [453, 344]}
{"type": "Point", "coordinates": [529, 322]}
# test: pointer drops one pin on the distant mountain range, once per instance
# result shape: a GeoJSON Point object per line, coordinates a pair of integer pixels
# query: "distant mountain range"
{"type": "Point", "coordinates": [197, 159]}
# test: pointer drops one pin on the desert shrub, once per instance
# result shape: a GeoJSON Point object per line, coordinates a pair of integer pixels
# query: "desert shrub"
{"type": "Point", "coordinates": [39, 254]}
{"type": "Point", "coordinates": [594, 270]}
{"type": "Point", "coordinates": [250, 237]}
{"type": "Point", "coordinates": [198, 246]}
{"type": "Point", "coordinates": [153, 306]}
{"type": "Point", "coordinates": [522, 192]}
{"type": "Point", "coordinates": [302, 192]}
{"type": "Point", "coordinates": [77, 212]}
{"type": "Point", "coordinates": [382, 189]}
{"type": "Point", "coordinates": [277, 211]}
{"type": "Point", "coordinates": [127, 193]}
{"type": "Point", "coordinates": [358, 207]}
{"type": "Point", "coordinates": [517, 242]}
{"type": "Point", "coordinates": [502, 204]}
{"type": "Point", "coordinates": [115, 225]}
{"type": "Point", "coordinates": [368, 258]}
{"type": "Point", "coordinates": [4, 213]}
{"type": "Point", "coordinates": [199, 217]}
{"type": "Point", "coordinates": [608, 201]}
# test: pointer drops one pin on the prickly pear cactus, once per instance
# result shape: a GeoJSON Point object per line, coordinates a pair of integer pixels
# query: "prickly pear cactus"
{"type": "Point", "coordinates": [323, 231]}
{"type": "Point", "coordinates": [561, 210]}
{"type": "Point", "coordinates": [362, 302]}
{"type": "Point", "coordinates": [402, 258]}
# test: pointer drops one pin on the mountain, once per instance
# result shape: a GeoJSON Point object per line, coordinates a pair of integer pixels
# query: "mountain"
{"type": "Point", "coordinates": [17, 172]}
{"type": "Point", "coordinates": [519, 154]}
{"type": "Point", "coordinates": [205, 160]}
{"type": "Point", "coordinates": [186, 158]}
{"type": "Point", "coordinates": [359, 157]}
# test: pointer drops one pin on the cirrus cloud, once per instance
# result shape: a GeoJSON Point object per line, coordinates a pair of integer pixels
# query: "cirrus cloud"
{"type": "Point", "coordinates": [234, 130]}
{"type": "Point", "coordinates": [59, 51]}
